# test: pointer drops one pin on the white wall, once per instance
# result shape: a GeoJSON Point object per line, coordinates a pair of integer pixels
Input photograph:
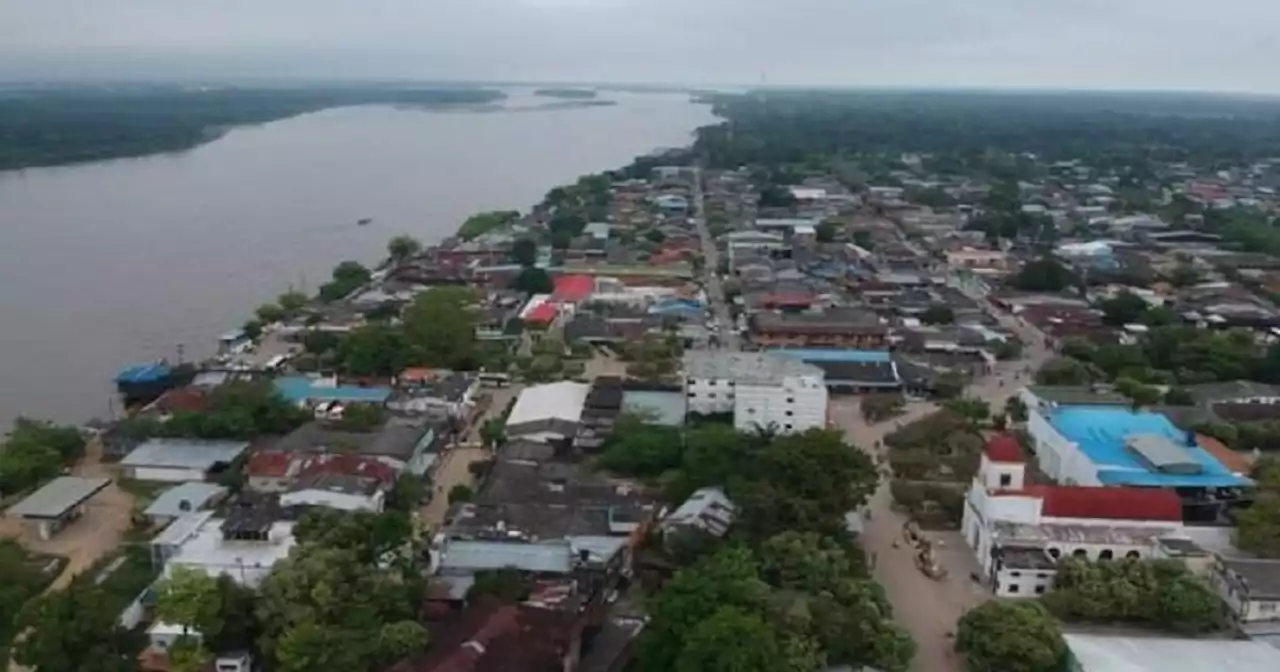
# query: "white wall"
{"type": "Point", "coordinates": [166, 474]}
{"type": "Point", "coordinates": [1023, 582]}
{"type": "Point", "coordinates": [334, 500]}
{"type": "Point", "coordinates": [1059, 458]}
{"type": "Point", "coordinates": [799, 404]}
{"type": "Point", "coordinates": [709, 396]}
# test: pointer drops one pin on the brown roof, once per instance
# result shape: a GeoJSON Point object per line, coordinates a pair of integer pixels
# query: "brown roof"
{"type": "Point", "coordinates": [1237, 463]}
{"type": "Point", "coordinates": [493, 637]}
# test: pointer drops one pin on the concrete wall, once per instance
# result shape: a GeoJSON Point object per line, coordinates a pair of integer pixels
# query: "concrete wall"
{"type": "Point", "coordinates": [709, 396]}
{"type": "Point", "coordinates": [1060, 459]}
{"type": "Point", "coordinates": [334, 500]}
{"type": "Point", "coordinates": [1023, 582]}
{"type": "Point", "coordinates": [797, 405]}
{"type": "Point", "coordinates": [166, 474]}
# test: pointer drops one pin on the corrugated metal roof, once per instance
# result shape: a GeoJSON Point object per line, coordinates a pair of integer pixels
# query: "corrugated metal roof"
{"type": "Point", "coordinates": [184, 453]}
{"type": "Point", "coordinates": [482, 555]}
{"type": "Point", "coordinates": [58, 496]}
{"type": "Point", "coordinates": [184, 499]}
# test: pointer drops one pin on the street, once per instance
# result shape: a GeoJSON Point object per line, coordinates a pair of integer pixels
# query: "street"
{"type": "Point", "coordinates": [728, 333]}
{"type": "Point", "coordinates": [454, 467]}
{"type": "Point", "coordinates": [928, 608]}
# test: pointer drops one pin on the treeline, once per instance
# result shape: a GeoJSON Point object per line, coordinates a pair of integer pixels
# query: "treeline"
{"type": "Point", "coordinates": [779, 127]}
{"type": "Point", "coordinates": [56, 127]}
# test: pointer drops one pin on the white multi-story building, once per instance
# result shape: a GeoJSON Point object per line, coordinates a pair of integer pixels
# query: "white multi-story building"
{"type": "Point", "coordinates": [761, 390]}
{"type": "Point", "coordinates": [1019, 532]}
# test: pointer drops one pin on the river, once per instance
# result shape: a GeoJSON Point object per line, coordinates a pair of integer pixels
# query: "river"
{"type": "Point", "coordinates": [112, 263]}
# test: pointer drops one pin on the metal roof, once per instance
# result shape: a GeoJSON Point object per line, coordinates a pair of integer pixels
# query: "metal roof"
{"type": "Point", "coordinates": [184, 499]}
{"type": "Point", "coordinates": [481, 555]}
{"type": "Point", "coordinates": [184, 453]}
{"type": "Point", "coordinates": [1163, 454]}
{"type": "Point", "coordinates": [1100, 653]}
{"type": "Point", "coordinates": [58, 496]}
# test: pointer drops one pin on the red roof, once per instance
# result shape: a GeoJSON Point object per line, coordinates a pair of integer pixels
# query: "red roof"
{"type": "Point", "coordinates": [573, 288]}
{"type": "Point", "coordinates": [268, 464]}
{"type": "Point", "coordinates": [544, 312]}
{"type": "Point", "coordinates": [1059, 501]}
{"type": "Point", "coordinates": [277, 464]}
{"type": "Point", "coordinates": [1004, 448]}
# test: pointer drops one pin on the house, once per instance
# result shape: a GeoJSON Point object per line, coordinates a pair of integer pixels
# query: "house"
{"type": "Point", "coordinates": [448, 394]}
{"type": "Point", "coordinates": [183, 499]}
{"type": "Point", "coordinates": [180, 460]}
{"type": "Point", "coordinates": [243, 545]}
{"type": "Point", "coordinates": [831, 328]}
{"type": "Point", "coordinates": [308, 391]}
{"type": "Point", "coordinates": [971, 259]}
{"type": "Point", "coordinates": [1251, 590]}
{"type": "Point", "coordinates": [548, 413]}
{"type": "Point", "coordinates": [57, 503]}
{"type": "Point", "coordinates": [707, 510]}
{"type": "Point", "coordinates": [854, 371]}
{"type": "Point", "coordinates": [1019, 531]}
{"type": "Point", "coordinates": [760, 389]}
{"type": "Point", "coordinates": [409, 444]}
{"type": "Point", "coordinates": [490, 636]}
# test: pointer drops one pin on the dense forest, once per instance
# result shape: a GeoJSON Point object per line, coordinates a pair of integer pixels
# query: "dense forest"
{"type": "Point", "coordinates": [779, 127]}
{"type": "Point", "coordinates": [48, 127]}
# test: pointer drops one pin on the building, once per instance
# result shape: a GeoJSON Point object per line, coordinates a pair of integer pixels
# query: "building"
{"type": "Point", "coordinates": [828, 329]}
{"type": "Point", "coordinates": [1105, 653]}
{"type": "Point", "coordinates": [978, 261]}
{"type": "Point", "coordinates": [1018, 531]}
{"type": "Point", "coordinates": [854, 371]}
{"type": "Point", "coordinates": [183, 499]}
{"type": "Point", "coordinates": [57, 503]}
{"type": "Point", "coordinates": [1116, 446]}
{"type": "Point", "coordinates": [548, 413]}
{"type": "Point", "coordinates": [244, 545]}
{"type": "Point", "coordinates": [493, 637]}
{"type": "Point", "coordinates": [1251, 590]}
{"type": "Point", "coordinates": [180, 460]}
{"type": "Point", "coordinates": [407, 443]}
{"type": "Point", "coordinates": [708, 510]}
{"type": "Point", "coordinates": [307, 391]}
{"type": "Point", "coordinates": [761, 390]}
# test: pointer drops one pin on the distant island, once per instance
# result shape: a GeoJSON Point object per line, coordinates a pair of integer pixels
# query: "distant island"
{"type": "Point", "coordinates": [53, 127]}
{"type": "Point", "coordinates": [567, 94]}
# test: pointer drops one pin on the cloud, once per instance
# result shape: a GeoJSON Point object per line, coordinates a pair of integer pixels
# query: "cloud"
{"type": "Point", "coordinates": [1147, 44]}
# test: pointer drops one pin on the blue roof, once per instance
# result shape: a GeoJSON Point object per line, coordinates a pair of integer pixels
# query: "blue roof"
{"type": "Point", "coordinates": [1100, 431]}
{"type": "Point", "coordinates": [300, 388]}
{"type": "Point", "coordinates": [834, 355]}
{"type": "Point", "coordinates": [144, 373]}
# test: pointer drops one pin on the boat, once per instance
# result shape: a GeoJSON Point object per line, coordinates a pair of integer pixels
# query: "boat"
{"type": "Point", "coordinates": [365, 221]}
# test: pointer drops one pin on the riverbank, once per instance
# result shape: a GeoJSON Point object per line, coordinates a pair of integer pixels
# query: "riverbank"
{"type": "Point", "coordinates": [166, 252]}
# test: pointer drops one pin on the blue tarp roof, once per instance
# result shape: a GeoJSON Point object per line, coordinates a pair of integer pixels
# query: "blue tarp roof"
{"type": "Point", "coordinates": [834, 354]}
{"type": "Point", "coordinates": [1100, 431]}
{"type": "Point", "coordinates": [300, 388]}
{"type": "Point", "coordinates": [144, 373]}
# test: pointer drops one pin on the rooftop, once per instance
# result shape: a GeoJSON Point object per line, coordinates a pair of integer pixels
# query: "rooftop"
{"type": "Point", "coordinates": [1103, 433]}
{"type": "Point", "coordinates": [397, 438]}
{"type": "Point", "coordinates": [184, 454]}
{"type": "Point", "coordinates": [1004, 448]}
{"type": "Point", "coordinates": [185, 498]}
{"type": "Point", "coordinates": [300, 389]}
{"type": "Point", "coordinates": [834, 355]}
{"type": "Point", "coordinates": [1261, 578]}
{"type": "Point", "coordinates": [553, 401]}
{"type": "Point", "coordinates": [660, 408]}
{"type": "Point", "coordinates": [205, 547]}
{"type": "Point", "coordinates": [745, 367]}
{"type": "Point", "coordinates": [1101, 653]}
{"type": "Point", "coordinates": [58, 496]}
{"type": "Point", "coordinates": [1015, 557]}
{"type": "Point", "coordinates": [1078, 534]}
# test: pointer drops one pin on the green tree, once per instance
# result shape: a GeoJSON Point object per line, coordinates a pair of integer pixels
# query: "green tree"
{"type": "Point", "coordinates": [1123, 308]}
{"type": "Point", "coordinates": [950, 385]}
{"type": "Point", "coordinates": [864, 239]}
{"type": "Point", "coordinates": [351, 272]}
{"type": "Point", "coordinates": [641, 450]}
{"type": "Point", "coordinates": [524, 251]}
{"type": "Point", "coordinates": [1258, 527]}
{"type": "Point", "coordinates": [807, 562]}
{"type": "Point", "coordinates": [371, 537]}
{"type": "Point", "coordinates": [533, 280]}
{"type": "Point", "coordinates": [75, 629]}
{"type": "Point", "coordinates": [188, 655]}
{"type": "Point", "coordinates": [493, 433]}
{"type": "Point", "coordinates": [1010, 637]}
{"type": "Point", "coordinates": [975, 411]}
{"type": "Point", "coordinates": [252, 329]}
{"type": "Point", "coordinates": [1016, 409]}
{"type": "Point", "coordinates": [36, 451]}
{"type": "Point", "coordinates": [319, 342]}
{"type": "Point", "coordinates": [735, 640]}
{"type": "Point", "coordinates": [569, 223]}
{"type": "Point", "coordinates": [1064, 371]}
{"type": "Point", "coordinates": [938, 314]}
{"type": "Point", "coordinates": [1043, 275]}
{"type": "Point", "coordinates": [191, 599]}
{"type": "Point", "coordinates": [1185, 276]}
{"type": "Point", "coordinates": [441, 327]}
{"type": "Point", "coordinates": [484, 222]}
{"type": "Point", "coordinates": [460, 493]}
{"type": "Point", "coordinates": [292, 301]}
{"type": "Point", "coordinates": [655, 236]}
{"type": "Point", "coordinates": [375, 350]}
{"type": "Point", "coordinates": [361, 418]}
{"type": "Point", "coordinates": [403, 247]}
{"type": "Point", "coordinates": [269, 312]}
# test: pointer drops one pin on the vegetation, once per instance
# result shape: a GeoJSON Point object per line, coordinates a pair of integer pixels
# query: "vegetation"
{"type": "Point", "coordinates": [461, 493]}
{"type": "Point", "coordinates": [20, 580]}
{"type": "Point", "coordinates": [938, 314]}
{"type": "Point", "coordinates": [881, 407]}
{"type": "Point", "coordinates": [1258, 527]}
{"type": "Point", "coordinates": [479, 224]}
{"type": "Point", "coordinates": [533, 280]}
{"type": "Point", "coordinates": [34, 452]}
{"type": "Point", "coordinates": [524, 251]}
{"type": "Point", "coordinates": [348, 276]}
{"type": "Point", "coordinates": [1011, 637]}
{"type": "Point", "coordinates": [403, 247]}
{"type": "Point", "coordinates": [49, 127]}
{"type": "Point", "coordinates": [75, 629]}
{"type": "Point", "coordinates": [507, 584]}
{"type": "Point", "coordinates": [237, 410]}
{"type": "Point", "coordinates": [1161, 593]}
{"type": "Point", "coordinates": [1123, 308]}
{"type": "Point", "coordinates": [1043, 275]}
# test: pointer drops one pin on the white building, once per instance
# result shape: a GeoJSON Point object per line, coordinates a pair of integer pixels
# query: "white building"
{"type": "Point", "coordinates": [708, 510]}
{"type": "Point", "coordinates": [761, 390]}
{"type": "Point", "coordinates": [547, 413]}
{"type": "Point", "coordinates": [179, 460]}
{"type": "Point", "coordinates": [1251, 589]}
{"type": "Point", "coordinates": [1019, 532]}
{"type": "Point", "coordinates": [244, 546]}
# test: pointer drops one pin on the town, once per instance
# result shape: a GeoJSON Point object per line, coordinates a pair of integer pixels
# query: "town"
{"type": "Point", "coordinates": [774, 401]}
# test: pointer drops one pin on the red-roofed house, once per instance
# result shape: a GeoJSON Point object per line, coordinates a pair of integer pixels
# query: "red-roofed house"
{"type": "Point", "coordinates": [573, 288]}
{"type": "Point", "coordinates": [344, 481]}
{"type": "Point", "coordinates": [1019, 532]}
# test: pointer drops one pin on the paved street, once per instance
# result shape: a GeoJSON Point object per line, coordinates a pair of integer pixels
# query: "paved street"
{"type": "Point", "coordinates": [929, 609]}
{"type": "Point", "coordinates": [455, 462]}
{"type": "Point", "coordinates": [728, 334]}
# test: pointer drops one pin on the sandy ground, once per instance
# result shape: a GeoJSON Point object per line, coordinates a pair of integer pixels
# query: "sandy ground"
{"type": "Point", "coordinates": [929, 609]}
{"type": "Point", "coordinates": [97, 533]}
{"type": "Point", "coordinates": [454, 462]}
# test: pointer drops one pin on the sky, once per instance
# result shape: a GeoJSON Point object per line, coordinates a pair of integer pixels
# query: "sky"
{"type": "Point", "coordinates": [1219, 45]}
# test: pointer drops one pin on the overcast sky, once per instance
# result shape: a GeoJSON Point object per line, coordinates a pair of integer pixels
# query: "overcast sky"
{"type": "Point", "coordinates": [1118, 44]}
